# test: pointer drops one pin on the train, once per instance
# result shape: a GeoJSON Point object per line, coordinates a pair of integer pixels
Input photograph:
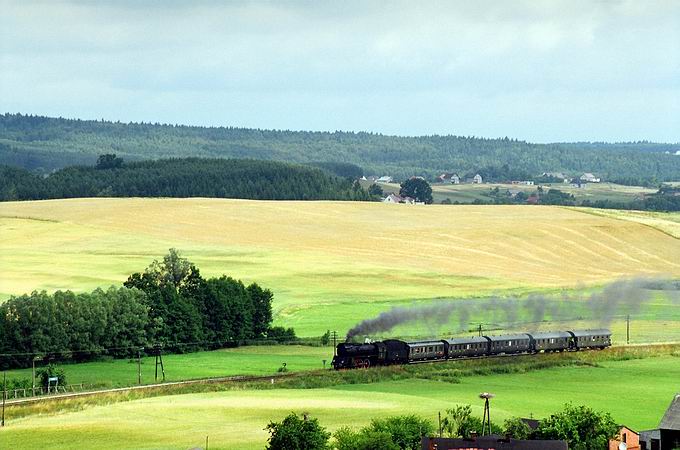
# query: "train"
{"type": "Point", "coordinates": [350, 355]}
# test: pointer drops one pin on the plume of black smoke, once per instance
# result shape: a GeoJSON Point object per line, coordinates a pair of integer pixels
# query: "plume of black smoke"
{"type": "Point", "coordinates": [619, 298]}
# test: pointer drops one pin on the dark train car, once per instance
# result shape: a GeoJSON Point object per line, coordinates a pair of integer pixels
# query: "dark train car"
{"type": "Point", "coordinates": [509, 343]}
{"type": "Point", "coordinates": [396, 351]}
{"type": "Point", "coordinates": [584, 339]}
{"type": "Point", "coordinates": [465, 347]}
{"type": "Point", "coordinates": [552, 341]}
{"type": "Point", "coordinates": [426, 350]}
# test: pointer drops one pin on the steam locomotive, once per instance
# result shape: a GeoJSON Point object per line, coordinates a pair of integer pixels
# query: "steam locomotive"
{"type": "Point", "coordinates": [393, 351]}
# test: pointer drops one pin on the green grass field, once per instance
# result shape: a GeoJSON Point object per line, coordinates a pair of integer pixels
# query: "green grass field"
{"type": "Point", "coordinates": [331, 264]}
{"type": "Point", "coordinates": [468, 193]}
{"type": "Point", "coordinates": [253, 360]}
{"type": "Point", "coordinates": [635, 391]}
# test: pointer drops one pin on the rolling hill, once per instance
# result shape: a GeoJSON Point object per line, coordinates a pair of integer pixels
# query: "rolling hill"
{"type": "Point", "coordinates": [331, 263]}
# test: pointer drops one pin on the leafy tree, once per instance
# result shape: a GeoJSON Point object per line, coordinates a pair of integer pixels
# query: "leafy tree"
{"type": "Point", "coordinates": [406, 431]}
{"type": "Point", "coordinates": [51, 371]}
{"type": "Point", "coordinates": [281, 334]}
{"type": "Point", "coordinates": [375, 190]}
{"type": "Point", "coordinates": [365, 439]}
{"type": "Point", "coordinates": [326, 338]}
{"type": "Point", "coordinates": [296, 433]}
{"type": "Point", "coordinates": [582, 427]}
{"type": "Point", "coordinates": [460, 423]}
{"type": "Point", "coordinates": [516, 428]}
{"type": "Point", "coordinates": [109, 161]}
{"type": "Point", "coordinates": [262, 308]}
{"type": "Point", "coordinates": [417, 188]}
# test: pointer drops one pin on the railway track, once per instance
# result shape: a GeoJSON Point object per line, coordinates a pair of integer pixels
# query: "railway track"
{"type": "Point", "coordinates": [246, 378]}
{"type": "Point", "coordinates": [215, 380]}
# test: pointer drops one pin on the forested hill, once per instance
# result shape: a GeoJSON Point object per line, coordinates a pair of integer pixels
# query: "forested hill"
{"type": "Point", "coordinates": [35, 142]}
{"type": "Point", "coordinates": [192, 177]}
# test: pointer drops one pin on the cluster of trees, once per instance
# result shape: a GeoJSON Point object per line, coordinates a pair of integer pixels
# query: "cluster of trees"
{"type": "Point", "coordinates": [400, 157]}
{"type": "Point", "coordinates": [666, 199]}
{"type": "Point", "coordinates": [192, 177]}
{"type": "Point", "coordinates": [169, 304]}
{"type": "Point", "coordinates": [582, 428]}
{"type": "Point", "coordinates": [417, 188]}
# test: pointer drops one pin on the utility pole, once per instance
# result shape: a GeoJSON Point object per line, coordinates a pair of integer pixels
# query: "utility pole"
{"type": "Point", "coordinates": [440, 424]}
{"type": "Point", "coordinates": [480, 330]}
{"type": "Point", "coordinates": [334, 335]}
{"type": "Point", "coordinates": [4, 396]}
{"type": "Point", "coordinates": [486, 420]}
{"type": "Point", "coordinates": [628, 329]}
{"type": "Point", "coordinates": [139, 365]}
{"type": "Point", "coordinates": [159, 361]}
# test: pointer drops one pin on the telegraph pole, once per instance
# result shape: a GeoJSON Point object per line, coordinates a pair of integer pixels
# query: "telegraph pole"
{"type": "Point", "coordinates": [628, 329]}
{"type": "Point", "coordinates": [139, 365]}
{"type": "Point", "coordinates": [480, 330]}
{"type": "Point", "coordinates": [334, 335]}
{"type": "Point", "coordinates": [4, 396]}
{"type": "Point", "coordinates": [159, 361]}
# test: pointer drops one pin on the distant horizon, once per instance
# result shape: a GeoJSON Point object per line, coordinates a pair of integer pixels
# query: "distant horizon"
{"type": "Point", "coordinates": [549, 71]}
{"type": "Point", "coordinates": [513, 138]}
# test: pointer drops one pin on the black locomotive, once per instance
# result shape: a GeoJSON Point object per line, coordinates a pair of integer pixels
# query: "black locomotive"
{"type": "Point", "coordinates": [392, 351]}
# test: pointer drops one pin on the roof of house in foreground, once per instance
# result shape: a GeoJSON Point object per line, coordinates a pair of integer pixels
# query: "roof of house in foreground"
{"type": "Point", "coordinates": [671, 419]}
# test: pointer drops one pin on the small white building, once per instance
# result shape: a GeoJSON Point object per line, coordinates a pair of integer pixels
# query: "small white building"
{"type": "Point", "coordinates": [384, 179]}
{"type": "Point", "coordinates": [455, 179]}
{"type": "Point", "coordinates": [477, 179]}
{"type": "Point", "coordinates": [394, 198]}
{"type": "Point", "coordinates": [589, 178]}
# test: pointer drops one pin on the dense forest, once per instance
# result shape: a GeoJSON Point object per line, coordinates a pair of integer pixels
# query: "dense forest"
{"type": "Point", "coordinates": [191, 177]}
{"type": "Point", "coordinates": [169, 305]}
{"type": "Point", "coordinates": [44, 144]}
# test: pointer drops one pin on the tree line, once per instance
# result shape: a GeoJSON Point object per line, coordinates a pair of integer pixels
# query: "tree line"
{"type": "Point", "coordinates": [580, 426]}
{"type": "Point", "coordinates": [169, 305]}
{"type": "Point", "coordinates": [33, 142]}
{"type": "Point", "coordinates": [190, 177]}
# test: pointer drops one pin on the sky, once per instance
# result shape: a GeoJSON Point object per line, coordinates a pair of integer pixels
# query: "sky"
{"type": "Point", "coordinates": [542, 71]}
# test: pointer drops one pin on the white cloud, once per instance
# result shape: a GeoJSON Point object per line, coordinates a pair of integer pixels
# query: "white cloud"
{"type": "Point", "coordinates": [497, 67]}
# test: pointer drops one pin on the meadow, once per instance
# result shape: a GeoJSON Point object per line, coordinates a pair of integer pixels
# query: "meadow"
{"type": "Point", "coordinates": [236, 418]}
{"type": "Point", "coordinates": [468, 193]}
{"type": "Point", "coordinates": [331, 264]}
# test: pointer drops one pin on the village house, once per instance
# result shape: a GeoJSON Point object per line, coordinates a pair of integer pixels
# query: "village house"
{"type": "Point", "coordinates": [626, 436]}
{"type": "Point", "coordinates": [667, 436]}
{"type": "Point", "coordinates": [394, 198]}
{"type": "Point", "coordinates": [384, 179]}
{"type": "Point", "coordinates": [489, 443]}
{"type": "Point", "coordinates": [526, 182]}
{"type": "Point", "coordinates": [560, 175]}
{"type": "Point", "coordinates": [477, 179]}
{"type": "Point", "coordinates": [589, 178]}
{"type": "Point", "coordinates": [455, 179]}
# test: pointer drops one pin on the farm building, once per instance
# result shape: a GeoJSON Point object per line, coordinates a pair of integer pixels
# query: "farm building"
{"type": "Point", "coordinates": [477, 179]}
{"type": "Point", "coordinates": [394, 198]}
{"type": "Point", "coordinates": [667, 436]}
{"type": "Point", "coordinates": [625, 436]}
{"type": "Point", "coordinates": [489, 443]}
{"type": "Point", "coordinates": [590, 178]}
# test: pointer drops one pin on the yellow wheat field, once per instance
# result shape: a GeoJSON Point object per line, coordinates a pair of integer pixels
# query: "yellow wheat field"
{"type": "Point", "coordinates": [321, 259]}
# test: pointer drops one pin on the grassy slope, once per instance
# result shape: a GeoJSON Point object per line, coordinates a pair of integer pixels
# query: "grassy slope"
{"type": "Point", "coordinates": [467, 193]}
{"type": "Point", "coordinates": [235, 419]}
{"type": "Point", "coordinates": [328, 263]}
{"type": "Point", "coordinates": [254, 360]}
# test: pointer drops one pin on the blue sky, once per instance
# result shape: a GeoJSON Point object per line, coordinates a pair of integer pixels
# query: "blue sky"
{"type": "Point", "coordinates": [543, 71]}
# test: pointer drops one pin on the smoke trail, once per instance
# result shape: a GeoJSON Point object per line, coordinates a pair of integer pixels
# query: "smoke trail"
{"type": "Point", "coordinates": [618, 298]}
